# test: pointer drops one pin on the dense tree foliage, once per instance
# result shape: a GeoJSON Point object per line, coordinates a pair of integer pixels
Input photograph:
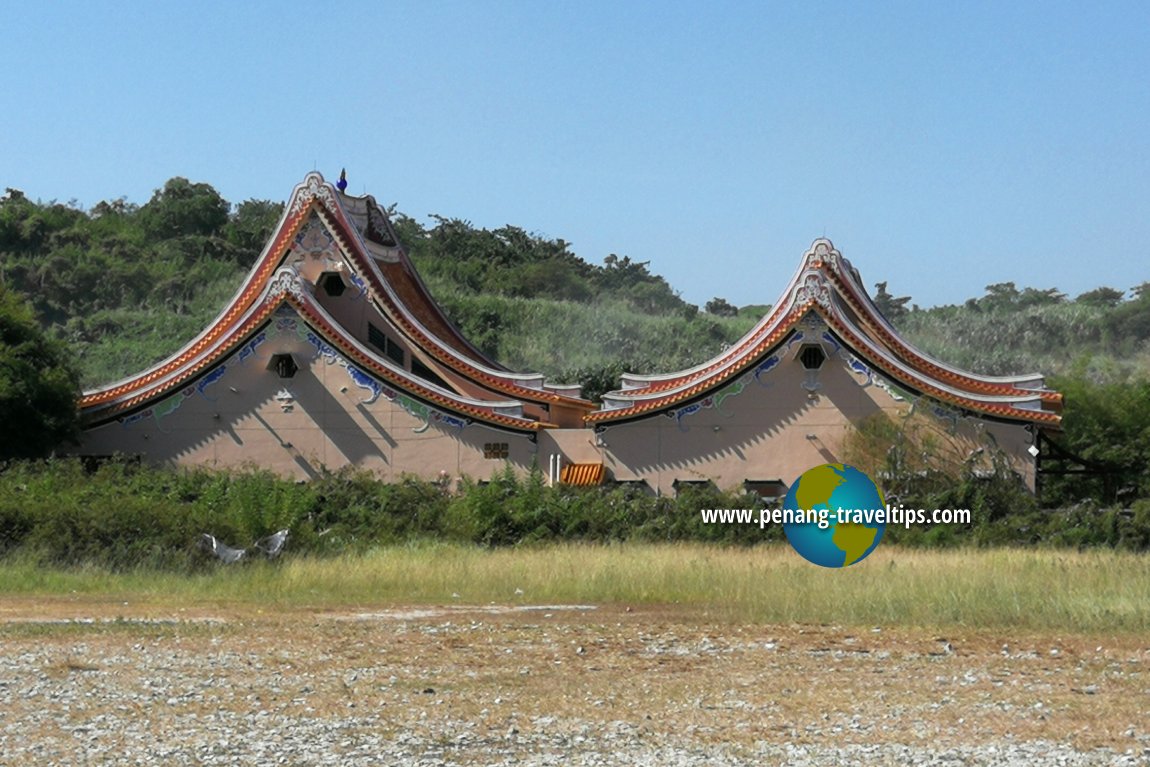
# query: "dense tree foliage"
{"type": "Point", "coordinates": [721, 307]}
{"type": "Point", "coordinates": [38, 385]}
{"type": "Point", "coordinates": [1108, 426]}
{"type": "Point", "coordinates": [1098, 335]}
{"type": "Point", "coordinates": [512, 262]}
{"type": "Point", "coordinates": [894, 309]}
{"type": "Point", "coordinates": [184, 209]}
{"type": "Point", "coordinates": [530, 302]}
{"type": "Point", "coordinates": [125, 285]}
{"type": "Point", "coordinates": [1128, 325]}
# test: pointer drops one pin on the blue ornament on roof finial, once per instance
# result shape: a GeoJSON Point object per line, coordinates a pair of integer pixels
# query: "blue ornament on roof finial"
{"type": "Point", "coordinates": [342, 183]}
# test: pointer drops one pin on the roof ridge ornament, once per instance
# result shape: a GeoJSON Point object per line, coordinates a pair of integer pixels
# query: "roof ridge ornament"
{"type": "Point", "coordinates": [813, 285]}
{"type": "Point", "coordinates": [823, 253]}
{"type": "Point", "coordinates": [285, 281]}
{"type": "Point", "coordinates": [312, 187]}
{"type": "Point", "coordinates": [814, 288]}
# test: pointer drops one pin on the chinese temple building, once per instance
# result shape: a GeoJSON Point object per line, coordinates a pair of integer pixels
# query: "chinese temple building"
{"type": "Point", "coordinates": [333, 353]}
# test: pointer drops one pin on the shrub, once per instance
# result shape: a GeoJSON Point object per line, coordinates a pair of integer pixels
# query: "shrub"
{"type": "Point", "coordinates": [124, 516]}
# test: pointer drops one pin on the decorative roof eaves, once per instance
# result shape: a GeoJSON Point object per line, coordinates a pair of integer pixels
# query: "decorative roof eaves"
{"type": "Point", "coordinates": [352, 234]}
{"type": "Point", "coordinates": [312, 194]}
{"type": "Point", "coordinates": [808, 284]}
{"type": "Point", "coordinates": [864, 307]}
{"type": "Point", "coordinates": [321, 321]}
{"type": "Point", "coordinates": [703, 385]}
{"type": "Point", "coordinates": [859, 343]}
{"type": "Point", "coordinates": [103, 411]}
{"type": "Point", "coordinates": [404, 262]}
{"type": "Point", "coordinates": [251, 290]}
{"type": "Point", "coordinates": [825, 276]}
{"type": "Point", "coordinates": [288, 288]}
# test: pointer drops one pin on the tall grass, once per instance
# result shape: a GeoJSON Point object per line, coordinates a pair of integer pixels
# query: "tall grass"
{"type": "Point", "coordinates": [1097, 591]}
{"type": "Point", "coordinates": [1062, 338]}
{"type": "Point", "coordinates": [557, 337]}
{"type": "Point", "coordinates": [113, 343]}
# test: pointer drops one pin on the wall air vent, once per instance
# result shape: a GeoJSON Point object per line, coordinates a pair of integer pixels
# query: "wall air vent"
{"type": "Point", "coordinates": [284, 365]}
{"type": "Point", "coordinates": [332, 283]}
{"type": "Point", "coordinates": [812, 357]}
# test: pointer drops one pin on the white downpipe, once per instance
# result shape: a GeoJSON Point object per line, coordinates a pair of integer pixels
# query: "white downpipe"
{"type": "Point", "coordinates": [554, 469]}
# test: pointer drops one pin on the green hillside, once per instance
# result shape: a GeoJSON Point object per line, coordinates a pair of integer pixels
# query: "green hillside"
{"type": "Point", "coordinates": [125, 285]}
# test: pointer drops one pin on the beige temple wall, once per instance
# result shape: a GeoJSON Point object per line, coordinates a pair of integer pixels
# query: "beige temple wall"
{"type": "Point", "coordinates": [572, 445]}
{"type": "Point", "coordinates": [297, 427]}
{"type": "Point", "coordinates": [775, 430]}
{"type": "Point", "coordinates": [320, 418]}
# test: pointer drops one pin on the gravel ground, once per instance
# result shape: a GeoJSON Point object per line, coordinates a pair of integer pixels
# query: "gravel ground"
{"type": "Point", "coordinates": [552, 686]}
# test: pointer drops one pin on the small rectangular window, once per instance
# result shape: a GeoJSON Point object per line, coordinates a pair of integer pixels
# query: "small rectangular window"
{"type": "Point", "coordinates": [376, 338]}
{"type": "Point", "coordinates": [395, 352]}
{"type": "Point", "coordinates": [496, 450]}
{"type": "Point", "coordinates": [383, 342]}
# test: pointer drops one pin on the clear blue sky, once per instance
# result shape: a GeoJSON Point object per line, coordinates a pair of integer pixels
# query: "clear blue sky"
{"type": "Point", "coordinates": [941, 148]}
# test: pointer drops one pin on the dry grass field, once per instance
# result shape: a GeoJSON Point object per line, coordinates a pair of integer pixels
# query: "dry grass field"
{"type": "Point", "coordinates": [129, 673]}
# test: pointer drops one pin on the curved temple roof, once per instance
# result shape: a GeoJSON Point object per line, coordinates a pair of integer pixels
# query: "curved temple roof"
{"type": "Point", "coordinates": [367, 241]}
{"type": "Point", "coordinates": [287, 291]}
{"type": "Point", "coordinates": [827, 285]}
{"type": "Point", "coordinates": [824, 285]}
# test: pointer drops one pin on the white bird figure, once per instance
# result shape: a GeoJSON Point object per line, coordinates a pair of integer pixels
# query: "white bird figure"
{"type": "Point", "coordinates": [221, 551]}
{"type": "Point", "coordinates": [271, 546]}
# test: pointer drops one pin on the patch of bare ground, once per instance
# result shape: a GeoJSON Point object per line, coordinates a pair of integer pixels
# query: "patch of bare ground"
{"type": "Point", "coordinates": [98, 682]}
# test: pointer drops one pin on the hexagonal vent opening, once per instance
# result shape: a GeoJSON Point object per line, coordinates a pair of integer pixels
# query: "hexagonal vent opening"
{"type": "Point", "coordinates": [283, 365]}
{"type": "Point", "coordinates": [812, 357]}
{"type": "Point", "coordinates": [332, 283]}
